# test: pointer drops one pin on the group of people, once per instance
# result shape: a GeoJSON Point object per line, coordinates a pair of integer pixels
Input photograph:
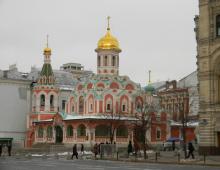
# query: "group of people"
{"type": "Point", "coordinates": [2, 146]}
{"type": "Point", "coordinates": [75, 152]}
{"type": "Point", "coordinates": [190, 149]}
{"type": "Point", "coordinates": [96, 149]}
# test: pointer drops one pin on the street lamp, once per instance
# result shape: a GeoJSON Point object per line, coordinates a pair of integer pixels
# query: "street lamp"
{"type": "Point", "coordinates": [182, 109]}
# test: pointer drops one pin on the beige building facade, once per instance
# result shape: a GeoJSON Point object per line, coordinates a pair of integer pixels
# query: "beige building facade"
{"type": "Point", "coordinates": [208, 62]}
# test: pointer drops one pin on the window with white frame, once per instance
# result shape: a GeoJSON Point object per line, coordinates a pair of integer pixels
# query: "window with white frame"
{"type": "Point", "coordinates": [124, 106]}
{"type": "Point", "coordinates": [109, 105]}
{"type": "Point", "coordinates": [51, 100]}
{"type": "Point", "coordinates": [73, 108]}
{"type": "Point", "coordinates": [63, 107]}
{"type": "Point", "coordinates": [42, 100]}
{"type": "Point", "coordinates": [90, 105]}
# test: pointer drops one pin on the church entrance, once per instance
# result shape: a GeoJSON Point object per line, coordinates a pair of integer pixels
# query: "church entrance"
{"type": "Point", "coordinates": [59, 134]}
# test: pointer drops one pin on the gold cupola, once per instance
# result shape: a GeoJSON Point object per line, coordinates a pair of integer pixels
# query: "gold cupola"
{"type": "Point", "coordinates": [108, 42]}
{"type": "Point", "coordinates": [47, 50]}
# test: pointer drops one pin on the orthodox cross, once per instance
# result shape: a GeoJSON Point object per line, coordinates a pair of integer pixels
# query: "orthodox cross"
{"type": "Point", "coordinates": [108, 18]}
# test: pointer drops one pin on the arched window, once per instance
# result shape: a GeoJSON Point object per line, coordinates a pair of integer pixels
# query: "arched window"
{"type": "Point", "coordinates": [99, 60]}
{"type": "Point", "coordinates": [90, 104]}
{"type": "Point", "coordinates": [40, 132]}
{"type": "Point", "coordinates": [42, 100]}
{"type": "Point", "coordinates": [73, 108]}
{"type": "Point", "coordinates": [81, 104]}
{"type": "Point", "coordinates": [109, 105]}
{"type": "Point", "coordinates": [124, 106]}
{"type": "Point", "coordinates": [106, 60]}
{"type": "Point", "coordinates": [122, 131]}
{"type": "Point", "coordinates": [102, 130]}
{"type": "Point", "coordinates": [158, 134]}
{"type": "Point", "coordinates": [113, 61]}
{"type": "Point", "coordinates": [218, 25]}
{"type": "Point", "coordinates": [69, 131]}
{"type": "Point", "coordinates": [81, 130]}
{"type": "Point", "coordinates": [51, 100]}
{"type": "Point", "coordinates": [49, 132]}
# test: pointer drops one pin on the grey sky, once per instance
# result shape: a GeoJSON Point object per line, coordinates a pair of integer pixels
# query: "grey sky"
{"type": "Point", "coordinates": [153, 34]}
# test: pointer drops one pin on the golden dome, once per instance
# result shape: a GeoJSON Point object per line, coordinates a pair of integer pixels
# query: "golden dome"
{"type": "Point", "coordinates": [108, 42]}
{"type": "Point", "coordinates": [47, 49]}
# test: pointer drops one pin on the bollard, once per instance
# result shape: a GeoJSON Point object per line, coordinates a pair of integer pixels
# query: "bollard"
{"type": "Point", "coordinates": [29, 156]}
{"type": "Point", "coordinates": [68, 156]}
{"type": "Point", "coordinates": [44, 156]}
{"type": "Point", "coordinates": [101, 155]}
{"type": "Point", "coordinates": [56, 156]}
{"type": "Point", "coordinates": [204, 158]}
{"type": "Point", "coordinates": [156, 156]}
{"type": "Point", "coordinates": [117, 155]}
{"type": "Point", "coordinates": [178, 157]}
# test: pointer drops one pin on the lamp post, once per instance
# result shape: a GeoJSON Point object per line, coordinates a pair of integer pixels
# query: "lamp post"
{"type": "Point", "coordinates": [184, 122]}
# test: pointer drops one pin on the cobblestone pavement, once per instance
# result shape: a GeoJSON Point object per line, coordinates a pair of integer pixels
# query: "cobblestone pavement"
{"type": "Point", "coordinates": [12, 163]}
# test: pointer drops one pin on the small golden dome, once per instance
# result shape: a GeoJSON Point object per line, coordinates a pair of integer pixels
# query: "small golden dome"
{"type": "Point", "coordinates": [47, 49]}
{"type": "Point", "coordinates": [108, 42]}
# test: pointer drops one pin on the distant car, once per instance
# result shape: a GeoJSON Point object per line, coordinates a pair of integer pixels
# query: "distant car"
{"type": "Point", "coordinates": [167, 146]}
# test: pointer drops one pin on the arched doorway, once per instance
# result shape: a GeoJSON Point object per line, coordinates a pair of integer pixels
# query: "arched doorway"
{"type": "Point", "coordinates": [59, 134]}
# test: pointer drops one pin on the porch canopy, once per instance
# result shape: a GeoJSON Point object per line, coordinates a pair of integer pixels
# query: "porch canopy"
{"type": "Point", "coordinates": [6, 141]}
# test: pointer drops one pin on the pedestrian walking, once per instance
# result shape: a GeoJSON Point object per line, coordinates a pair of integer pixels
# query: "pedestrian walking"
{"type": "Point", "coordinates": [82, 148]}
{"type": "Point", "coordinates": [9, 149]}
{"type": "Point", "coordinates": [0, 149]}
{"type": "Point", "coordinates": [191, 150]}
{"type": "Point", "coordinates": [173, 145]}
{"type": "Point", "coordinates": [75, 153]}
{"type": "Point", "coordinates": [130, 148]}
{"type": "Point", "coordinates": [95, 149]}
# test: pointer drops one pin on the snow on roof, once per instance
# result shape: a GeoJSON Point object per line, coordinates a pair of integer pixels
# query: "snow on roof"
{"type": "Point", "coordinates": [100, 117]}
{"type": "Point", "coordinates": [46, 120]}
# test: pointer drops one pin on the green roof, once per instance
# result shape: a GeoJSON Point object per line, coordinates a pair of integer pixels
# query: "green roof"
{"type": "Point", "coordinates": [149, 88]}
{"type": "Point", "coordinates": [46, 70]}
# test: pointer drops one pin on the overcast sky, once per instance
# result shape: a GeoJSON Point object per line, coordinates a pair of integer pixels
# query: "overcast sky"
{"type": "Point", "coordinates": [155, 35]}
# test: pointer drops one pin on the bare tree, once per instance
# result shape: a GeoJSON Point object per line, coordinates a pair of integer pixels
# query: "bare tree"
{"type": "Point", "coordinates": [142, 125]}
{"type": "Point", "coordinates": [113, 120]}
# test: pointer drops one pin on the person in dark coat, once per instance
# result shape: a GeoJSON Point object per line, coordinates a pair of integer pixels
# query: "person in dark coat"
{"type": "Point", "coordinates": [191, 149]}
{"type": "Point", "coordinates": [130, 148]}
{"type": "Point", "coordinates": [82, 148]}
{"type": "Point", "coordinates": [0, 150]}
{"type": "Point", "coordinates": [173, 145]}
{"type": "Point", "coordinates": [75, 153]}
{"type": "Point", "coordinates": [95, 149]}
{"type": "Point", "coordinates": [9, 149]}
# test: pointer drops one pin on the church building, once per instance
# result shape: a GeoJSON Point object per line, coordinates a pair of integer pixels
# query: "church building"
{"type": "Point", "coordinates": [99, 108]}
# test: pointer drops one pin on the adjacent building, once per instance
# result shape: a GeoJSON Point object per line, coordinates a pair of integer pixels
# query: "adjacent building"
{"type": "Point", "coordinates": [15, 100]}
{"type": "Point", "coordinates": [208, 59]}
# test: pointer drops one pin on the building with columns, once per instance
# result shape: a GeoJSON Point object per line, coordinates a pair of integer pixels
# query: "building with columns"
{"type": "Point", "coordinates": [208, 59]}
